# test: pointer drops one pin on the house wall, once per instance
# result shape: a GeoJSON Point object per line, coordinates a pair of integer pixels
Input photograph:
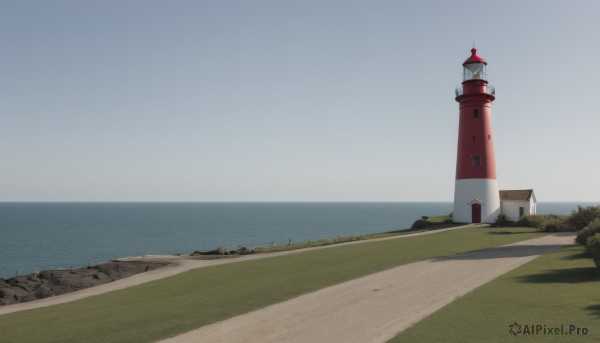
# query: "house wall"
{"type": "Point", "coordinates": [533, 207]}
{"type": "Point", "coordinates": [510, 209]}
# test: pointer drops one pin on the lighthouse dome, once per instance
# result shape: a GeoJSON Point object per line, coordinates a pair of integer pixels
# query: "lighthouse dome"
{"type": "Point", "coordinates": [474, 58]}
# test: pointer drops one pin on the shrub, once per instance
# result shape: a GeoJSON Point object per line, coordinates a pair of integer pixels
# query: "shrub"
{"type": "Point", "coordinates": [548, 222]}
{"type": "Point", "coordinates": [593, 248]}
{"type": "Point", "coordinates": [590, 230]}
{"type": "Point", "coordinates": [530, 221]}
{"type": "Point", "coordinates": [420, 223]}
{"type": "Point", "coordinates": [426, 221]}
{"type": "Point", "coordinates": [501, 220]}
{"type": "Point", "coordinates": [552, 223]}
{"type": "Point", "coordinates": [581, 217]}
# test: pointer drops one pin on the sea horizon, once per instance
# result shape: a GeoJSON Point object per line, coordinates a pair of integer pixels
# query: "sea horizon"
{"type": "Point", "coordinates": [265, 201]}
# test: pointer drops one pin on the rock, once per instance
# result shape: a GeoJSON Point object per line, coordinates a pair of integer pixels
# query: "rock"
{"type": "Point", "coordinates": [29, 297]}
{"type": "Point", "coordinates": [55, 282]}
{"type": "Point", "coordinates": [223, 251]}
{"type": "Point", "coordinates": [25, 286]}
{"type": "Point", "coordinates": [45, 275]}
{"type": "Point", "coordinates": [244, 251]}
{"type": "Point", "coordinates": [219, 251]}
{"type": "Point", "coordinates": [43, 292]}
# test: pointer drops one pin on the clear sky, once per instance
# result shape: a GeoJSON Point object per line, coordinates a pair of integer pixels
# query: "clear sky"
{"type": "Point", "coordinates": [290, 100]}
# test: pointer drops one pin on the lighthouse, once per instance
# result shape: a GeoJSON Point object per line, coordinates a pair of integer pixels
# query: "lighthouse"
{"type": "Point", "coordinates": [476, 196]}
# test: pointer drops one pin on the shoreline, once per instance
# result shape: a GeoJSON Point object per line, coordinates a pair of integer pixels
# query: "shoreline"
{"type": "Point", "coordinates": [55, 282]}
{"type": "Point", "coordinates": [242, 250]}
{"type": "Point", "coordinates": [94, 243]}
{"type": "Point", "coordinates": [174, 265]}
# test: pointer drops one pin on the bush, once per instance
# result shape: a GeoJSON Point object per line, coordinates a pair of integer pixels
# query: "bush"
{"type": "Point", "coordinates": [581, 217]}
{"type": "Point", "coordinates": [552, 223]}
{"type": "Point", "coordinates": [588, 231]}
{"type": "Point", "coordinates": [593, 248]}
{"type": "Point", "coordinates": [530, 221]}
{"type": "Point", "coordinates": [501, 220]}
{"type": "Point", "coordinates": [426, 221]}
{"type": "Point", "coordinates": [420, 223]}
{"type": "Point", "coordinates": [547, 223]}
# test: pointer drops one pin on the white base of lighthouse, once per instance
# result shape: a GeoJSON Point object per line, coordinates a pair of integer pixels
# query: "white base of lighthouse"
{"type": "Point", "coordinates": [476, 200]}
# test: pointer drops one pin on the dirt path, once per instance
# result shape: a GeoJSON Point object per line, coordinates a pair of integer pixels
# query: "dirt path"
{"type": "Point", "coordinates": [376, 307]}
{"type": "Point", "coordinates": [180, 264]}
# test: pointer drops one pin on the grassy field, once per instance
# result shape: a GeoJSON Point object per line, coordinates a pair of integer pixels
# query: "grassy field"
{"type": "Point", "coordinates": [178, 304]}
{"type": "Point", "coordinates": [560, 288]}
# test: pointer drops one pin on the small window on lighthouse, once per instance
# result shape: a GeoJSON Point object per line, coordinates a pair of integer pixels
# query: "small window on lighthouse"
{"type": "Point", "coordinates": [475, 114]}
{"type": "Point", "coordinates": [476, 161]}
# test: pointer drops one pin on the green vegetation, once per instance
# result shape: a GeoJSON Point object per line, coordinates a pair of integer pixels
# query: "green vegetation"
{"type": "Point", "coordinates": [175, 305]}
{"type": "Point", "coordinates": [554, 289]}
{"type": "Point", "coordinates": [431, 223]}
{"type": "Point", "coordinates": [590, 230]}
{"type": "Point", "coordinates": [554, 223]}
{"type": "Point", "coordinates": [593, 248]}
{"type": "Point", "coordinates": [328, 241]}
{"type": "Point", "coordinates": [584, 220]}
{"type": "Point", "coordinates": [582, 217]}
{"type": "Point", "coordinates": [547, 222]}
{"type": "Point", "coordinates": [434, 221]}
{"type": "Point", "coordinates": [576, 221]}
{"type": "Point", "coordinates": [501, 220]}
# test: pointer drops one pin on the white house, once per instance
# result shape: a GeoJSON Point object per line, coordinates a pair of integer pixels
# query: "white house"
{"type": "Point", "coordinates": [516, 203]}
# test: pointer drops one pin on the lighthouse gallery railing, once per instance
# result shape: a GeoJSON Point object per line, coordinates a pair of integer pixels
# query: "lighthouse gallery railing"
{"type": "Point", "coordinates": [489, 89]}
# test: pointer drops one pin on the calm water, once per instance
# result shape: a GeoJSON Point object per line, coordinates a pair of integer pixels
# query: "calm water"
{"type": "Point", "coordinates": [38, 236]}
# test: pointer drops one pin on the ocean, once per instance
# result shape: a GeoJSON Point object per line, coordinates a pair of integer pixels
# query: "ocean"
{"type": "Point", "coordinates": [40, 236]}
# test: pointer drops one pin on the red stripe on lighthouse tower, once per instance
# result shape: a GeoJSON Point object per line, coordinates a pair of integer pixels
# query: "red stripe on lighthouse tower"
{"type": "Point", "coordinates": [475, 133]}
{"type": "Point", "coordinates": [476, 197]}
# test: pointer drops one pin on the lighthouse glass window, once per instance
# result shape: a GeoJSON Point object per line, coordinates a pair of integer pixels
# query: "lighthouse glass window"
{"type": "Point", "coordinates": [474, 71]}
{"type": "Point", "coordinates": [476, 161]}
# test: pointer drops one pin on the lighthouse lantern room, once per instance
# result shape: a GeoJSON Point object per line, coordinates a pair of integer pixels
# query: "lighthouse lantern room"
{"type": "Point", "coordinates": [476, 196]}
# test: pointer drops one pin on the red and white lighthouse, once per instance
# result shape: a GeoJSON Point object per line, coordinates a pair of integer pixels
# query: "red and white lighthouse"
{"type": "Point", "coordinates": [476, 196]}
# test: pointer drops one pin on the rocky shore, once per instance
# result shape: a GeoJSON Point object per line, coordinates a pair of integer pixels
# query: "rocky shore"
{"type": "Point", "coordinates": [50, 283]}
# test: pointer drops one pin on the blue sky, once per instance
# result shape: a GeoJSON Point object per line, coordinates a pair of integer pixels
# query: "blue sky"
{"type": "Point", "coordinates": [289, 100]}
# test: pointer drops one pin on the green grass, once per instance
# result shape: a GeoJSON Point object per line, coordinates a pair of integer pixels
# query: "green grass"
{"type": "Point", "coordinates": [557, 288]}
{"type": "Point", "coordinates": [439, 219]}
{"type": "Point", "coordinates": [322, 242]}
{"type": "Point", "coordinates": [437, 225]}
{"type": "Point", "coordinates": [181, 303]}
{"type": "Point", "coordinates": [431, 221]}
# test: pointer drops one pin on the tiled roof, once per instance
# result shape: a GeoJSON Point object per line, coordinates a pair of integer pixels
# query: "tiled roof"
{"type": "Point", "coordinates": [516, 195]}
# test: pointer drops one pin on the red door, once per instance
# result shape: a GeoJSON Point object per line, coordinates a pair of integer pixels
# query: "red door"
{"type": "Point", "coordinates": [476, 213]}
